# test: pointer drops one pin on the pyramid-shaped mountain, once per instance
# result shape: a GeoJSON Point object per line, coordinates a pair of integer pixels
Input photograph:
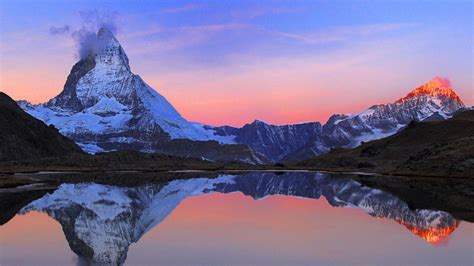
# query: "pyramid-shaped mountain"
{"type": "Point", "coordinates": [105, 107]}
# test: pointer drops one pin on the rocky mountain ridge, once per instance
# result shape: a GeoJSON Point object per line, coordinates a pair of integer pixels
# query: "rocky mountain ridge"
{"type": "Point", "coordinates": [433, 100]}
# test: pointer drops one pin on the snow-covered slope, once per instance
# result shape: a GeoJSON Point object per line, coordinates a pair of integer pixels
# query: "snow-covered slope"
{"type": "Point", "coordinates": [383, 120]}
{"type": "Point", "coordinates": [104, 103]}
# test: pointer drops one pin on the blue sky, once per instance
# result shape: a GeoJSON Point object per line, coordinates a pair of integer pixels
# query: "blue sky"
{"type": "Point", "coordinates": [252, 59]}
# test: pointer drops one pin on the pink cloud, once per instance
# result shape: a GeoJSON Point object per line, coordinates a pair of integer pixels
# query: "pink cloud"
{"type": "Point", "coordinates": [443, 81]}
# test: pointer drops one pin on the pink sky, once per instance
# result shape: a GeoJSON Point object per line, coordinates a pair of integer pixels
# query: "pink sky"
{"type": "Point", "coordinates": [275, 92]}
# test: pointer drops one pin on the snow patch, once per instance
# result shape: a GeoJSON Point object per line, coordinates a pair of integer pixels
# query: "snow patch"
{"type": "Point", "coordinates": [90, 148]}
{"type": "Point", "coordinates": [210, 134]}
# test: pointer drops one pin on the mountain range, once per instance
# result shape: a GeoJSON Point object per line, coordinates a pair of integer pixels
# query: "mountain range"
{"type": "Point", "coordinates": [433, 100]}
{"type": "Point", "coordinates": [104, 107]}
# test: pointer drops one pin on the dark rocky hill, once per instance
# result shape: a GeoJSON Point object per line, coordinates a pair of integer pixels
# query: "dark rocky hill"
{"type": "Point", "coordinates": [23, 137]}
{"type": "Point", "coordinates": [437, 148]}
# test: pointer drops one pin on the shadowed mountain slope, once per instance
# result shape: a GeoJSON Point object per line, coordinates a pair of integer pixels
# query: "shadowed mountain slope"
{"type": "Point", "coordinates": [23, 137]}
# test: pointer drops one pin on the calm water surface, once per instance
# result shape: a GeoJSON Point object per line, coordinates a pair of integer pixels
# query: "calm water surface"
{"type": "Point", "coordinates": [256, 219]}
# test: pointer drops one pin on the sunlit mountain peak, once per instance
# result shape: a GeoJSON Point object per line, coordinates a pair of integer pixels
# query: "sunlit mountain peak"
{"type": "Point", "coordinates": [437, 87]}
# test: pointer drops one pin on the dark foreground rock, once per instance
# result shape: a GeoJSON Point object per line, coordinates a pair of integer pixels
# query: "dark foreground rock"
{"type": "Point", "coordinates": [23, 137]}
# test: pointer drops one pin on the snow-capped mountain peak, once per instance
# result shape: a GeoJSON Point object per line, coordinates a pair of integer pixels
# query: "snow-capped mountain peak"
{"type": "Point", "coordinates": [104, 106]}
{"type": "Point", "coordinates": [110, 77]}
{"type": "Point", "coordinates": [437, 87]}
{"type": "Point", "coordinates": [109, 51]}
{"type": "Point", "coordinates": [433, 97]}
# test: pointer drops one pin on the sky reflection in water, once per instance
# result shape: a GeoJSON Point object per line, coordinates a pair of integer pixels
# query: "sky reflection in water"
{"type": "Point", "coordinates": [294, 218]}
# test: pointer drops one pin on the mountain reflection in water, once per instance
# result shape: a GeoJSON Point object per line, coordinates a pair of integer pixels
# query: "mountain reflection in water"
{"type": "Point", "coordinates": [101, 221]}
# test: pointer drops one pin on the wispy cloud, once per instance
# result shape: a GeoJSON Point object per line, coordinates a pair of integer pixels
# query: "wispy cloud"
{"type": "Point", "coordinates": [171, 38]}
{"type": "Point", "coordinates": [213, 27]}
{"type": "Point", "coordinates": [181, 9]}
{"type": "Point", "coordinates": [158, 39]}
{"type": "Point", "coordinates": [253, 12]}
{"type": "Point", "coordinates": [339, 34]}
{"type": "Point", "coordinates": [60, 30]}
{"type": "Point", "coordinates": [203, 29]}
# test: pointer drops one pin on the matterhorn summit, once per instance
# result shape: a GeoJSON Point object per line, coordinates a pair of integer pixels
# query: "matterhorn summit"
{"type": "Point", "coordinates": [103, 72]}
{"type": "Point", "coordinates": [104, 106]}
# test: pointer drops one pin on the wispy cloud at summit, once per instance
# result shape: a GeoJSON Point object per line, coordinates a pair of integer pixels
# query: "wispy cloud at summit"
{"type": "Point", "coordinates": [85, 35]}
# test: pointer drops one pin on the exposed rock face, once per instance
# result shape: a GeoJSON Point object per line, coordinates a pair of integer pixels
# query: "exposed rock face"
{"type": "Point", "coordinates": [23, 137]}
{"type": "Point", "coordinates": [275, 142]}
{"type": "Point", "coordinates": [100, 222]}
{"type": "Point", "coordinates": [67, 99]}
